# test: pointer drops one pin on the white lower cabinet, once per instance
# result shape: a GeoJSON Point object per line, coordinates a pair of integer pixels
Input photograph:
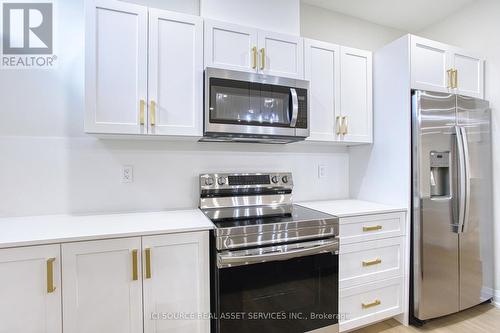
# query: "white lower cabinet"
{"type": "Point", "coordinates": [30, 290]}
{"type": "Point", "coordinates": [141, 284]}
{"type": "Point", "coordinates": [372, 266]}
{"type": "Point", "coordinates": [102, 286]}
{"type": "Point", "coordinates": [176, 283]}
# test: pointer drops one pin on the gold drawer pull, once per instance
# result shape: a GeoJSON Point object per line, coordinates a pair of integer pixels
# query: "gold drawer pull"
{"type": "Point", "coordinates": [372, 262]}
{"type": "Point", "coordinates": [152, 113]}
{"type": "Point", "coordinates": [372, 228]}
{"type": "Point", "coordinates": [142, 104]}
{"type": "Point", "coordinates": [455, 78]}
{"type": "Point", "coordinates": [450, 78]}
{"type": "Point", "coordinates": [135, 274]}
{"type": "Point", "coordinates": [337, 125]}
{"type": "Point", "coordinates": [50, 275]}
{"type": "Point", "coordinates": [147, 253]}
{"type": "Point", "coordinates": [254, 57]}
{"type": "Point", "coordinates": [372, 304]}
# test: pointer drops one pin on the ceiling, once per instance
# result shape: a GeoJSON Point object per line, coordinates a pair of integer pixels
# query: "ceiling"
{"type": "Point", "coordinates": [407, 15]}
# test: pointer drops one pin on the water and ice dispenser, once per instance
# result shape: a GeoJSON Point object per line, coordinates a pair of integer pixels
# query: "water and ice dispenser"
{"type": "Point", "coordinates": [440, 174]}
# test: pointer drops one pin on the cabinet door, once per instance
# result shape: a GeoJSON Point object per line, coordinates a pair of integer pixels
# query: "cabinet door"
{"type": "Point", "coordinates": [29, 303]}
{"type": "Point", "coordinates": [230, 46]}
{"type": "Point", "coordinates": [102, 286]}
{"type": "Point", "coordinates": [176, 281]}
{"type": "Point", "coordinates": [116, 66]}
{"type": "Point", "coordinates": [175, 73]}
{"type": "Point", "coordinates": [281, 55]}
{"type": "Point", "coordinates": [322, 69]}
{"type": "Point", "coordinates": [356, 95]}
{"type": "Point", "coordinates": [470, 73]}
{"type": "Point", "coordinates": [430, 62]}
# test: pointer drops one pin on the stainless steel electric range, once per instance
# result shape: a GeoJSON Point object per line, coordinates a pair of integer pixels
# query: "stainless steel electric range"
{"type": "Point", "coordinates": [274, 265]}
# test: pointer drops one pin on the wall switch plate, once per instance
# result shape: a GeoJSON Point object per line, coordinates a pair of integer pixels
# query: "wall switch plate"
{"type": "Point", "coordinates": [321, 171]}
{"type": "Point", "coordinates": [127, 174]}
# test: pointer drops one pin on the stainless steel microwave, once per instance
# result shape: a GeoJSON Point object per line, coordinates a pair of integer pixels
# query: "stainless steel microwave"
{"type": "Point", "coordinates": [251, 107]}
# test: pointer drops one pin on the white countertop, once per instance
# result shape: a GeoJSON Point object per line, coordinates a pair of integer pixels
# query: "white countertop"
{"type": "Point", "coordinates": [35, 230]}
{"type": "Point", "coordinates": [343, 208]}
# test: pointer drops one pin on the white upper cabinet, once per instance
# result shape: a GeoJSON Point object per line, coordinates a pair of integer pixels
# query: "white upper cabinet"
{"type": "Point", "coordinates": [116, 66]}
{"type": "Point", "coordinates": [469, 73]}
{"type": "Point", "coordinates": [430, 63]}
{"type": "Point", "coordinates": [176, 280]}
{"type": "Point", "coordinates": [281, 55]}
{"type": "Point", "coordinates": [102, 286]}
{"type": "Point", "coordinates": [125, 94]}
{"type": "Point", "coordinates": [175, 74]}
{"type": "Point", "coordinates": [443, 68]}
{"type": "Point", "coordinates": [322, 69]}
{"type": "Point", "coordinates": [230, 46]}
{"type": "Point", "coordinates": [30, 290]}
{"type": "Point", "coordinates": [234, 47]}
{"type": "Point", "coordinates": [356, 103]}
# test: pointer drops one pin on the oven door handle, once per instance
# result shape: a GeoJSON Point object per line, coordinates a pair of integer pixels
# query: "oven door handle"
{"type": "Point", "coordinates": [295, 107]}
{"type": "Point", "coordinates": [276, 253]}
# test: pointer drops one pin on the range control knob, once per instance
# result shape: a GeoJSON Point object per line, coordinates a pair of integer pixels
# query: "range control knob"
{"type": "Point", "coordinates": [284, 179]}
{"type": "Point", "coordinates": [209, 181]}
{"type": "Point", "coordinates": [274, 179]}
{"type": "Point", "coordinates": [221, 180]}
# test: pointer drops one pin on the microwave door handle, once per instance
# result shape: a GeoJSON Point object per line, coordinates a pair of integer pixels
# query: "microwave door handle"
{"type": "Point", "coordinates": [461, 179]}
{"type": "Point", "coordinates": [466, 176]}
{"type": "Point", "coordinates": [261, 255]}
{"type": "Point", "coordinates": [295, 107]}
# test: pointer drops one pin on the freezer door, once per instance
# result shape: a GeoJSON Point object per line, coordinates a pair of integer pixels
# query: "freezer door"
{"type": "Point", "coordinates": [434, 219]}
{"type": "Point", "coordinates": [476, 239]}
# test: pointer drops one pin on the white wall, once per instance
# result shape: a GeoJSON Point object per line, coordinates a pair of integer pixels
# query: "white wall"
{"type": "Point", "coordinates": [274, 15]}
{"type": "Point", "coordinates": [48, 165]}
{"type": "Point", "coordinates": [476, 28]}
{"type": "Point", "coordinates": [322, 24]}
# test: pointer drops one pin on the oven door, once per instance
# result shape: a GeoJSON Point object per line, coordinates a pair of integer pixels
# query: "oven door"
{"type": "Point", "coordinates": [252, 104]}
{"type": "Point", "coordinates": [286, 288]}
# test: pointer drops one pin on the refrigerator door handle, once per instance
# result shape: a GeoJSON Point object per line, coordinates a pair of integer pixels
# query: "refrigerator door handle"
{"type": "Point", "coordinates": [462, 179]}
{"type": "Point", "coordinates": [465, 142]}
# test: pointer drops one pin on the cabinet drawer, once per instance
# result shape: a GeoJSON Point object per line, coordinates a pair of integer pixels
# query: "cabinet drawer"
{"type": "Point", "coordinates": [369, 303]}
{"type": "Point", "coordinates": [369, 227]}
{"type": "Point", "coordinates": [370, 261]}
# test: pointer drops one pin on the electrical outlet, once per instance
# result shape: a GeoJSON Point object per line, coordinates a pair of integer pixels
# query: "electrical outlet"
{"type": "Point", "coordinates": [127, 174]}
{"type": "Point", "coordinates": [321, 171]}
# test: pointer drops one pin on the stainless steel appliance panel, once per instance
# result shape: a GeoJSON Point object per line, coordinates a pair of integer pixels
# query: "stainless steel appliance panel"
{"type": "Point", "coordinates": [251, 107]}
{"type": "Point", "coordinates": [476, 238]}
{"type": "Point", "coordinates": [435, 177]}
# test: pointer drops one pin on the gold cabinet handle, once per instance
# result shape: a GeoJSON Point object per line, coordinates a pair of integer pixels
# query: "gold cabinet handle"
{"type": "Point", "coordinates": [372, 262]}
{"type": "Point", "coordinates": [135, 268]}
{"type": "Point", "coordinates": [337, 125]}
{"type": "Point", "coordinates": [262, 58]}
{"type": "Point", "coordinates": [50, 275]}
{"type": "Point", "coordinates": [450, 78]}
{"type": "Point", "coordinates": [254, 57]}
{"type": "Point", "coordinates": [372, 304]}
{"type": "Point", "coordinates": [372, 228]}
{"type": "Point", "coordinates": [147, 253]}
{"type": "Point", "coordinates": [343, 127]}
{"type": "Point", "coordinates": [152, 113]}
{"type": "Point", "coordinates": [142, 104]}
{"type": "Point", "coordinates": [455, 78]}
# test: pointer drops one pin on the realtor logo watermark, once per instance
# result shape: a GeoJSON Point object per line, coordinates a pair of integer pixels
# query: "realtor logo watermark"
{"type": "Point", "coordinates": [28, 35]}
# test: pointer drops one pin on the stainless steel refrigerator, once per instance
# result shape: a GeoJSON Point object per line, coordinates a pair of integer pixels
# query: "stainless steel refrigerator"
{"type": "Point", "coordinates": [452, 219]}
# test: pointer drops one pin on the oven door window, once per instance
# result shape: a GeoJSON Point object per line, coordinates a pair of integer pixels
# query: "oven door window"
{"type": "Point", "coordinates": [296, 295]}
{"type": "Point", "coordinates": [246, 103]}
